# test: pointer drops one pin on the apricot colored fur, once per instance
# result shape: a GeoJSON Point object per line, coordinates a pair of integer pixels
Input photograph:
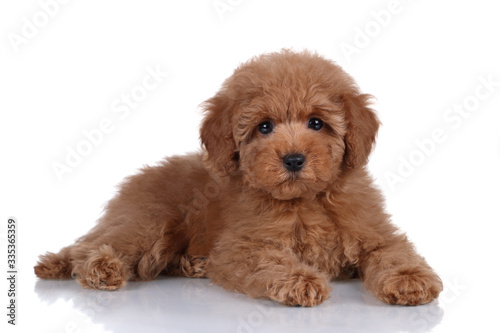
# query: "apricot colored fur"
{"type": "Point", "coordinates": [235, 214]}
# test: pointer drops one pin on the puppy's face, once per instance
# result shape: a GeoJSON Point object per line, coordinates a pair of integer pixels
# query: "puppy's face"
{"type": "Point", "coordinates": [290, 123]}
{"type": "Point", "coordinates": [290, 148]}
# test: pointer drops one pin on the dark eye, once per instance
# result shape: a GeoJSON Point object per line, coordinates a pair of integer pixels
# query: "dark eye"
{"type": "Point", "coordinates": [315, 124]}
{"type": "Point", "coordinates": [266, 127]}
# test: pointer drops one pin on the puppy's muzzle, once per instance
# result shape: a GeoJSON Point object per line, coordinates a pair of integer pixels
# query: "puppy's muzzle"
{"type": "Point", "coordinates": [294, 162]}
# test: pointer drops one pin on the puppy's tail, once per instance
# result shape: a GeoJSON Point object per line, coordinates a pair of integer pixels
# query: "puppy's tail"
{"type": "Point", "coordinates": [54, 265]}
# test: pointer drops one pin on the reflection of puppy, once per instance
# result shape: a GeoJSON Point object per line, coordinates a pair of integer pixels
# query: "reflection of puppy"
{"type": "Point", "coordinates": [279, 203]}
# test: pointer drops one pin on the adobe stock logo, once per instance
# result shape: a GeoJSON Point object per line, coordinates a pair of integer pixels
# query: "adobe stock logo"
{"type": "Point", "coordinates": [39, 20]}
{"type": "Point", "coordinates": [122, 107]}
{"type": "Point", "coordinates": [365, 35]}
{"type": "Point", "coordinates": [453, 118]}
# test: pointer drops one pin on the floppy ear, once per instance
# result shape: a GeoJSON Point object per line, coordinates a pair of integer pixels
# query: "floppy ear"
{"type": "Point", "coordinates": [362, 127]}
{"type": "Point", "coordinates": [216, 135]}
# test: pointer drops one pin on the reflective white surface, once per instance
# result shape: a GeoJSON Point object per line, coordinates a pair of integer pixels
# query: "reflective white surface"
{"type": "Point", "coordinates": [197, 305]}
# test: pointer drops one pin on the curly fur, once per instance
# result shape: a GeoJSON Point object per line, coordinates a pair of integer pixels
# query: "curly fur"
{"type": "Point", "coordinates": [235, 214]}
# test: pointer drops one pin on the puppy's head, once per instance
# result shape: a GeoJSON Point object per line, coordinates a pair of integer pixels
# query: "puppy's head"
{"type": "Point", "coordinates": [290, 123]}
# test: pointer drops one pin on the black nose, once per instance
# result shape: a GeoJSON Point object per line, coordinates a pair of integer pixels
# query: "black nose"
{"type": "Point", "coordinates": [294, 162]}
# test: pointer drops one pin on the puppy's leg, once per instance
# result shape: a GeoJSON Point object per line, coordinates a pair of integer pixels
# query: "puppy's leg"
{"type": "Point", "coordinates": [124, 245]}
{"type": "Point", "coordinates": [109, 261]}
{"type": "Point", "coordinates": [396, 274]}
{"type": "Point", "coordinates": [99, 268]}
{"type": "Point", "coordinates": [260, 270]}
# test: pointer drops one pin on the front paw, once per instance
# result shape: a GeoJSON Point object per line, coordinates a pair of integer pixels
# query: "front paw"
{"type": "Point", "coordinates": [300, 290]}
{"type": "Point", "coordinates": [410, 287]}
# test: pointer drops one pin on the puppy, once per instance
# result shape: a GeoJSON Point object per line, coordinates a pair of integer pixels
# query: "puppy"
{"type": "Point", "coordinates": [277, 204]}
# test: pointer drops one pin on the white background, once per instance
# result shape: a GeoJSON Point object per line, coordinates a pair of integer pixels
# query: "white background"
{"type": "Point", "coordinates": [423, 62]}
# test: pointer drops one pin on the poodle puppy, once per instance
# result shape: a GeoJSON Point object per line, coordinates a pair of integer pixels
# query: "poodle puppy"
{"type": "Point", "coordinates": [278, 203]}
